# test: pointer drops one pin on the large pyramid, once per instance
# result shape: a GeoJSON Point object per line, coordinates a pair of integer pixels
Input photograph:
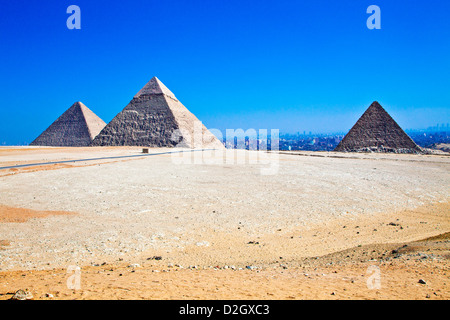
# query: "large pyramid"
{"type": "Point", "coordinates": [76, 127]}
{"type": "Point", "coordinates": [376, 131]}
{"type": "Point", "coordinates": [155, 118]}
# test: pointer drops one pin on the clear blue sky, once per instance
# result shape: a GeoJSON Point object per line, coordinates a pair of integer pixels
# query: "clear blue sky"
{"type": "Point", "coordinates": [291, 65]}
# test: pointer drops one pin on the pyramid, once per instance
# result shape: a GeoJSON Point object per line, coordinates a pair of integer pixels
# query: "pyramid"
{"type": "Point", "coordinates": [376, 131]}
{"type": "Point", "coordinates": [76, 127]}
{"type": "Point", "coordinates": [155, 118]}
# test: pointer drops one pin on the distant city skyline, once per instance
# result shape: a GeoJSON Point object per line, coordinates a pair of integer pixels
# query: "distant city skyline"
{"type": "Point", "coordinates": [291, 65]}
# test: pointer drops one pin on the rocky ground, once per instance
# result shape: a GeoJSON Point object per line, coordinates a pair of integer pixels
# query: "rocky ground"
{"type": "Point", "coordinates": [289, 226]}
{"type": "Point", "coordinates": [417, 270]}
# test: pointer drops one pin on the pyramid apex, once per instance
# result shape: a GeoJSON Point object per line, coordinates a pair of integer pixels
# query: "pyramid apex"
{"type": "Point", "coordinates": [79, 104]}
{"type": "Point", "coordinates": [375, 103]}
{"type": "Point", "coordinates": [82, 107]}
{"type": "Point", "coordinates": [155, 86]}
{"type": "Point", "coordinates": [376, 107]}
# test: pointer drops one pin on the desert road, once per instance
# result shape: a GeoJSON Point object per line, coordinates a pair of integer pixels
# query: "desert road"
{"type": "Point", "coordinates": [101, 158]}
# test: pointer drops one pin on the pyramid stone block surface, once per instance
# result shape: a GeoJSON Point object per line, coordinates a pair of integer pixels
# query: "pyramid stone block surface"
{"type": "Point", "coordinates": [155, 118]}
{"type": "Point", "coordinates": [376, 131]}
{"type": "Point", "coordinates": [76, 127]}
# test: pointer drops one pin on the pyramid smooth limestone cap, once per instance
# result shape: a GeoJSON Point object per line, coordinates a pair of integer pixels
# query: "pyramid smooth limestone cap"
{"type": "Point", "coordinates": [155, 86]}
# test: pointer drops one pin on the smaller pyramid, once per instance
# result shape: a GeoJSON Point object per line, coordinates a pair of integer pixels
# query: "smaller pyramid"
{"type": "Point", "coordinates": [376, 131]}
{"type": "Point", "coordinates": [76, 127]}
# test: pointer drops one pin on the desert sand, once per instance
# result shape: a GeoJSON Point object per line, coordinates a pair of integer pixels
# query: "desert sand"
{"type": "Point", "coordinates": [153, 228]}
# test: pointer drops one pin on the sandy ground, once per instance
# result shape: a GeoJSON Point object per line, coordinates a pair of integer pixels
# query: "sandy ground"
{"type": "Point", "coordinates": [8, 214]}
{"type": "Point", "coordinates": [406, 271]}
{"type": "Point", "coordinates": [315, 227]}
